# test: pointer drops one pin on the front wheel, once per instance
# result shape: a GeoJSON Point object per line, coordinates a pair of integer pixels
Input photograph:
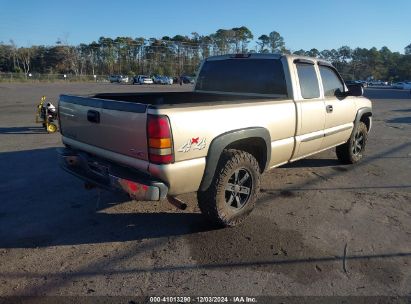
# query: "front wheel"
{"type": "Point", "coordinates": [352, 151]}
{"type": "Point", "coordinates": [234, 190]}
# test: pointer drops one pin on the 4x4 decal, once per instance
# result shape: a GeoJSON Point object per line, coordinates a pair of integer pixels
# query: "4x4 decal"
{"type": "Point", "coordinates": [193, 144]}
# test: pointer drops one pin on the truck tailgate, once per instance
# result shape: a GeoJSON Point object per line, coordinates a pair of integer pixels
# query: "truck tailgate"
{"type": "Point", "coordinates": [116, 126]}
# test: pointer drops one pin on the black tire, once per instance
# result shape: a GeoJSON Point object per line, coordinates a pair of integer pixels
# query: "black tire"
{"type": "Point", "coordinates": [353, 150]}
{"type": "Point", "coordinates": [226, 202]}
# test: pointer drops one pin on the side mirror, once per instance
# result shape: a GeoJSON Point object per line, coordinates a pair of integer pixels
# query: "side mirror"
{"type": "Point", "coordinates": [355, 90]}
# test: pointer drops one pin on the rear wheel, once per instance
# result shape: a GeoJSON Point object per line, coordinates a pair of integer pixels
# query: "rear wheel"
{"type": "Point", "coordinates": [51, 128]}
{"type": "Point", "coordinates": [352, 151]}
{"type": "Point", "coordinates": [233, 192]}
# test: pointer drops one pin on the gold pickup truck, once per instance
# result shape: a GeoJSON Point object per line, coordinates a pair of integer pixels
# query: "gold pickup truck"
{"type": "Point", "coordinates": [247, 114]}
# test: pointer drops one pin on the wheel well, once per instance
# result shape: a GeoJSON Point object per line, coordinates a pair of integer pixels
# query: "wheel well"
{"type": "Point", "coordinates": [256, 146]}
{"type": "Point", "coordinates": [365, 118]}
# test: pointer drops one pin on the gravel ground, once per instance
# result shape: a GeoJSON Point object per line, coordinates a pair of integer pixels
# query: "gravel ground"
{"type": "Point", "coordinates": [320, 228]}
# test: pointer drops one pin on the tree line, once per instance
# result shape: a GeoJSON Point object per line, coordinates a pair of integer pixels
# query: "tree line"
{"type": "Point", "coordinates": [182, 55]}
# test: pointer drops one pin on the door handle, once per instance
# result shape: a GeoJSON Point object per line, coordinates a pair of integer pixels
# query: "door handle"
{"type": "Point", "coordinates": [329, 108]}
{"type": "Point", "coordinates": [93, 116]}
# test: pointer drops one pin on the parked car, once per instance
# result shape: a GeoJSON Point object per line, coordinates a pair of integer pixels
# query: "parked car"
{"type": "Point", "coordinates": [113, 78]}
{"type": "Point", "coordinates": [402, 85]}
{"type": "Point", "coordinates": [187, 79]}
{"type": "Point", "coordinates": [407, 86]}
{"type": "Point", "coordinates": [378, 83]}
{"type": "Point", "coordinates": [360, 82]}
{"type": "Point", "coordinates": [162, 80]}
{"type": "Point", "coordinates": [158, 79]}
{"type": "Point", "coordinates": [398, 85]}
{"type": "Point", "coordinates": [363, 83]}
{"type": "Point", "coordinates": [142, 79]}
{"type": "Point", "coordinates": [218, 139]}
{"type": "Point", "coordinates": [169, 80]}
{"type": "Point", "coordinates": [166, 80]}
{"type": "Point", "coordinates": [118, 78]}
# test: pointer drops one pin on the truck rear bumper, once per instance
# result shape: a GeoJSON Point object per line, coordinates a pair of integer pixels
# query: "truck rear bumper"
{"type": "Point", "coordinates": [110, 176]}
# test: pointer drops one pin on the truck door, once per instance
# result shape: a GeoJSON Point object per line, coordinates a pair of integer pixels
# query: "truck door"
{"type": "Point", "coordinates": [310, 109]}
{"type": "Point", "coordinates": [339, 111]}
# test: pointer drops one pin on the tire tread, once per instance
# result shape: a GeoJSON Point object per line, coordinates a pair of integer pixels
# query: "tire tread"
{"type": "Point", "coordinates": [207, 200]}
{"type": "Point", "coordinates": [344, 152]}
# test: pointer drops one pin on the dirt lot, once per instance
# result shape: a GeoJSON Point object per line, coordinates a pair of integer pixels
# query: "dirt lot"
{"type": "Point", "coordinates": [320, 228]}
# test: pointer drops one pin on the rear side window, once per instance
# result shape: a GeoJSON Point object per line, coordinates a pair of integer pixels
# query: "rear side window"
{"type": "Point", "coordinates": [331, 81]}
{"type": "Point", "coordinates": [258, 76]}
{"type": "Point", "coordinates": [308, 81]}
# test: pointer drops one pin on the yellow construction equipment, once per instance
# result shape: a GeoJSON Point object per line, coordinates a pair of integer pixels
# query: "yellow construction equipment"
{"type": "Point", "coordinates": [46, 115]}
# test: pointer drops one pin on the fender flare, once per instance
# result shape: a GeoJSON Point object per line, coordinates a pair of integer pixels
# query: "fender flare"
{"type": "Point", "coordinates": [360, 113]}
{"type": "Point", "coordinates": [220, 142]}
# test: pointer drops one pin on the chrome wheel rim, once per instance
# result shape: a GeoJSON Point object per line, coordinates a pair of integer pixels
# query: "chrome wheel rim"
{"type": "Point", "coordinates": [358, 143]}
{"type": "Point", "coordinates": [238, 189]}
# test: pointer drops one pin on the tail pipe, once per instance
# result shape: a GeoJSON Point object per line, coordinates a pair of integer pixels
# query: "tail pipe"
{"type": "Point", "coordinates": [176, 202]}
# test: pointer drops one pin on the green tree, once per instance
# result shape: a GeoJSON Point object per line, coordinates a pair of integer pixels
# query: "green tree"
{"type": "Point", "coordinates": [404, 67]}
{"type": "Point", "coordinates": [313, 53]}
{"type": "Point", "coordinates": [276, 42]}
{"type": "Point", "coordinates": [108, 55]}
{"type": "Point", "coordinates": [300, 52]}
{"type": "Point", "coordinates": [326, 55]}
{"type": "Point", "coordinates": [222, 39]}
{"type": "Point", "coordinates": [25, 55]}
{"type": "Point", "coordinates": [345, 53]}
{"type": "Point", "coordinates": [263, 42]}
{"type": "Point", "coordinates": [242, 36]}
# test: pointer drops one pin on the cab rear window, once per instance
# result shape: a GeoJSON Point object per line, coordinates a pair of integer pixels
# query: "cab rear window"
{"type": "Point", "coordinates": [258, 76]}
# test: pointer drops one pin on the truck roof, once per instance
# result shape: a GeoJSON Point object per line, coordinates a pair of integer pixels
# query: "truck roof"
{"type": "Point", "coordinates": [248, 55]}
{"type": "Point", "coordinates": [270, 56]}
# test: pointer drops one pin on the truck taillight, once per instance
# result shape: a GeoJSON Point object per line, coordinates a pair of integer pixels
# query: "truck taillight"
{"type": "Point", "coordinates": [240, 56]}
{"type": "Point", "coordinates": [160, 143]}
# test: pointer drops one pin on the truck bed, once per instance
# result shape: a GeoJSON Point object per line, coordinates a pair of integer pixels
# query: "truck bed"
{"type": "Point", "coordinates": [180, 99]}
{"type": "Point", "coordinates": [116, 122]}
